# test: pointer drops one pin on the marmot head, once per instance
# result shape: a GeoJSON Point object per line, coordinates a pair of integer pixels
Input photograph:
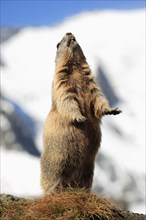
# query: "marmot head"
{"type": "Point", "coordinates": [69, 49]}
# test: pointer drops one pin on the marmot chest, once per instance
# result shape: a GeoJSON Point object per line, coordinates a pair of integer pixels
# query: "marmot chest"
{"type": "Point", "coordinates": [82, 91]}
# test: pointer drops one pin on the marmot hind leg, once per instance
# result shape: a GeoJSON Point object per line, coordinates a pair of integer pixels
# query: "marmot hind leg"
{"type": "Point", "coordinates": [87, 176]}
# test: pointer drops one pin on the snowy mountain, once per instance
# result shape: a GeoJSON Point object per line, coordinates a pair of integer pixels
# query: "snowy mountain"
{"type": "Point", "coordinates": [113, 42]}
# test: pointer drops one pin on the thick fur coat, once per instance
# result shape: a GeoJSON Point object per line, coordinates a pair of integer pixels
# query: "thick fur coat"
{"type": "Point", "coordinates": [72, 133]}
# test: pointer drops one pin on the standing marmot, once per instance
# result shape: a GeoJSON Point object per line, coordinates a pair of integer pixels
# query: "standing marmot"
{"type": "Point", "coordinates": [72, 132]}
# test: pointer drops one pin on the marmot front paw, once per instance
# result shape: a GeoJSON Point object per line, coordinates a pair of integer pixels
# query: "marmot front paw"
{"type": "Point", "coordinates": [112, 111]}
{"type": "Point", "coordinates": [81, 119]}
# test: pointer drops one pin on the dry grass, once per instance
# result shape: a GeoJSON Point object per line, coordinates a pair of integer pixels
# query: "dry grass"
{"type": "Point", "coordinates": [72, 204]}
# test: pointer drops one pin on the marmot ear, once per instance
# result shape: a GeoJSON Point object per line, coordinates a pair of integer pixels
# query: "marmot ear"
{"type": "Point", "coordinates": [58, 45]}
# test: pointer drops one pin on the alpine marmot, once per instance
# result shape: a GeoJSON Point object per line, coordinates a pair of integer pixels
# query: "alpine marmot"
{"type": "Point", "coordinates": [72, 133]}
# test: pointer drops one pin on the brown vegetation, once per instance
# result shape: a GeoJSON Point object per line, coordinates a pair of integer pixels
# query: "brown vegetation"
{"type": "Point", "coordinates": [69, 205]}
{"type": "Point", "coordinates": [60, 206]}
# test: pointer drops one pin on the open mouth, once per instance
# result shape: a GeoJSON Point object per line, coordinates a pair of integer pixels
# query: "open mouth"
{"type": "Point", "coordinates": [71, 41]}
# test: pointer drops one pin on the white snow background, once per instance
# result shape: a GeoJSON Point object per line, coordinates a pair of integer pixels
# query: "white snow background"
{"type": "Point", "coordinates": [116, 41]}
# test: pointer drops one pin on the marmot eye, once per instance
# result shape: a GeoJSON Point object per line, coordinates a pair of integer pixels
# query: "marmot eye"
{"type": "Point", "coordinates": [58, 45]}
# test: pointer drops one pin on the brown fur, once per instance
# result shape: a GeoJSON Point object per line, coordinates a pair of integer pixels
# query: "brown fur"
{"type": "Point", "coordinates": [72, 133]}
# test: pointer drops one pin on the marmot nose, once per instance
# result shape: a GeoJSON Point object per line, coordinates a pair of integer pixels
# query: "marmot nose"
{"type": "Point", "coordinates": [70, 36]}
{"type": "Point", "coordinates": [69, 33]}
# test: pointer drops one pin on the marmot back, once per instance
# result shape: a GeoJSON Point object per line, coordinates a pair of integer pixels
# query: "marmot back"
{"type": "Point", "coordinates": [72, 133]}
